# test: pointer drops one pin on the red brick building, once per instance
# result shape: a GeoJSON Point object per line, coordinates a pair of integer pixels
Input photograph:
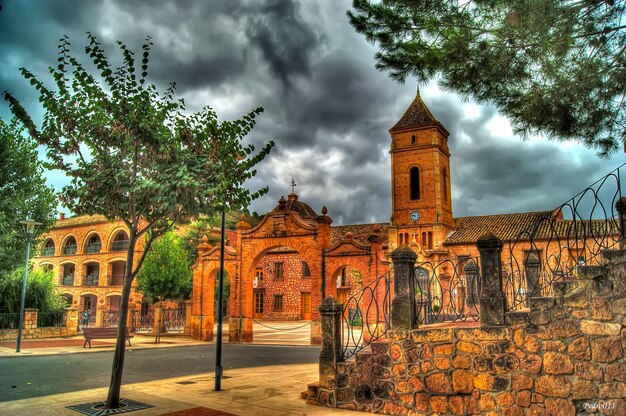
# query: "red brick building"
{"type": "Point", "coordinates": [283, 267]}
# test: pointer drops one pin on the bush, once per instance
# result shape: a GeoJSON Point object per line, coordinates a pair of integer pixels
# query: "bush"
{"type": "Point", "coordinates": [41, 291]}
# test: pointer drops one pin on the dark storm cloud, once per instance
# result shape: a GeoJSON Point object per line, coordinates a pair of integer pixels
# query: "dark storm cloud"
{"type": "Point", "coordinates": [326, 107]}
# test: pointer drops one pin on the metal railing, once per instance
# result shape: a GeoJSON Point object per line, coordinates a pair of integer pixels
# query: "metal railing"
{"type": "Point", "coordinates": [573, 235]}
{"type": "Point", "coordinates": [173, 320]}
{"type": "Point", "coordinates": [116, 280]}
{"type": "Point", "coordinates": [51, 319]}
{"type": "Point", "coordinates": [142, 322]}
{"type": "Point", "coordinates": [110, 318]}
{"type": "Point", "coordinates": [120, 245]}
{"type": "Point", "coordinates": [94, 248]}
{"type": "Point", "coordinates": [9, 320]}
{"type": "Point", "coordinates": [90, 280]}
{"type": "Point", "coordinates": [68, 280]}
{"type": "Point", "coordinates": [365, 316]}
{"type": "Point", "coordinates": [69, 249]}
{"type": "Point", "coordinates": [447, 291]}
{"type": "Point", "coordinates": [47, 251]}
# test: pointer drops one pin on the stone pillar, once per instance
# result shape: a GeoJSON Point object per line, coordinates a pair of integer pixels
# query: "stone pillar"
{"type": "Point", "coordinates": [158, 311]}
{"type": "Point", "coordinates": [202, 295]}
{"type": "Point", "coordinates": [240, 330]}
{"type": "Point", "coordinates": [187, 329]}
{"type": "Point", "coordinates": [620, 206]}
{"type": "Point", "coordinates": [492, 301]}
{"type": "Point", "coordinates": [472, 280]}
{"type": "Point", "coordinates": [331, 353]}
{"type": "Point", "coordinates": [71, 321]}
{"type": "Point", "coordinates": [531, 269]}
{"type": "Point", "coordinates": [100, 308]}
{"type": "Point", "coordinates": [403, 304]}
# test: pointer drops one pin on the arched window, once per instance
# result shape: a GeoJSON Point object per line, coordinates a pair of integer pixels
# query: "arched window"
{"type": "Point", "coordinates": [48, 248]}
{"type": "Point", "coordinates": [401, 239]}
{"type": "Point", "coordinates": [423, 238]}
{"type": "Point", "coordinates": [430, 240]}
{"type": "Point", "coordinates": [414, 174]}
{"type": "Point", "coordinates": [70, 246]}
{"type": "Point", "coordinates": [406, 238]}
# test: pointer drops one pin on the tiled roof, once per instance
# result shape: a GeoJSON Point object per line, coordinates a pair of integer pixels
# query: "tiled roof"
{"type": "Point", "coordinates": [542, 225]}
{"type": "Point", "coordinates": [416, 115]}
{"type": "Point", "coordinates": [302, 209]}
{"type": "Point", "coordinates": [79, 220]}
{"type": "Point", "coordinates": [359, 231]}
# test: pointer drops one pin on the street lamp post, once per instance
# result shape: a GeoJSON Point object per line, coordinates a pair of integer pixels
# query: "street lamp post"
{"type": "Point", "coordinates": [30, 227]}
{"type": "Point", "coordinates": [218, 343]}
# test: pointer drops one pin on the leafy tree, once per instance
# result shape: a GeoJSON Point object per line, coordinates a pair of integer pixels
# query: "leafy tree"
{"type": "Point", "coordinates": [165, 274]}
{"type": "Point", "coordinates": [23, 193]}
{"type": "Point", "coordinates": [134, 154]}
{"type": "Point", "coordinates": [553, 67]}
{"type": "Point", "coordinates": [41, 291]}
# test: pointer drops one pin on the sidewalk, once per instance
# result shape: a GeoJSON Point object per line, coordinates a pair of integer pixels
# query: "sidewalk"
{"type": "Point", "coordinates": [271, 390]}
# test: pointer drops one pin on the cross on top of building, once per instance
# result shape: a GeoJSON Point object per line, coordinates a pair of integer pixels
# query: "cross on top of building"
{"type": "Point", "coordinates": [293, 185]}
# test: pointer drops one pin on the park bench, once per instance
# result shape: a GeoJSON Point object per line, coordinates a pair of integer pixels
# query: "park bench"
{"type": "Point", "coordinates": [102, 333]}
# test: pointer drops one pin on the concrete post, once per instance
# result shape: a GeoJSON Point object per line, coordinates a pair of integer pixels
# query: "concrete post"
{"type": "Point", "coordinates": [472, 280]}
{"type": "Point", "coordinates": [403, 304]}
{"type": "Point", "coordinates": [620, 206]}
{"type": "Point", "coordinates": [100, 308]}
{"type": "Point", "coordinates": [531, 269]}
{"type": "Point", "coordinates": [71, 321]}
{"type": "Point", "coordinates": [331, 354]}
{"type": "Point", "coordinates": [492, 301]}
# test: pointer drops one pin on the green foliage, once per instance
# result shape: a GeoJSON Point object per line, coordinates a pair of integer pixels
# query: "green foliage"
{"type": "Point", "coordinates": [553, 67]}
{"type": "Point", "coordinates": [135, 154]}
{"type": "Point", "coordinates": [23, 194]}
{"type": "Point", "coordinates": [41, 291]}
{"type": "Point", "coordinates": [165, 274]}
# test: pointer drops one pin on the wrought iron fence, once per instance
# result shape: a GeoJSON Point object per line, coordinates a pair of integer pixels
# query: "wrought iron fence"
{"type": "Point", "coordinates": [173, 320]}
{"type": "Point", "coordinates": [447, 291]}
{"type": "Point", "coordinates": [51, 319]}
{"type": "Point", "coordinates": [573, 235]}
{"type": "Point", "coordinates": [110, 318]}
{"type": "Point", "coordinates": [94, 247]}
{"type": "Point", "coordinates": [142, 322]}
{"type": "Point", "coordinates": [90, 280]}
{"type": "Point", "coordinates": [47, 251]}
{"type": "Point", "coordinates": [9, 320]}
{"type": "Point", "coordinates": [69, 249]}
{"type": "Point", "coordinates": [365, 316]}
{"type": "Point", "coordinates": [120, 245]}
{"type": "Point", "coordinates": [68, 280]}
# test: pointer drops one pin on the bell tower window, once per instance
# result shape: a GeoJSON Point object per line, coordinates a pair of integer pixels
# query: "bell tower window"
{"type": "Point", "coordinates": [445, 184]}
{"type": "Point", "coordinates": [414, 175]}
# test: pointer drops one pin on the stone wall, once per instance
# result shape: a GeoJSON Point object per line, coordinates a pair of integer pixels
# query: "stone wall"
{"type": "Point", "coordinates": [31, 331]}
{"type": "Point", "coordinates": [565, 356]}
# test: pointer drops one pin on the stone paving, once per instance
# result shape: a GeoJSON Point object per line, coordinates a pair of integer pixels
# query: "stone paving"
{"type": "Point", "coordinates": [269, 390]}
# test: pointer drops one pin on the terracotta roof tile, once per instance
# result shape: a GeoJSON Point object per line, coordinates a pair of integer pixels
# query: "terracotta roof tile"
{"type": "Point", "coordinates": [80, 220]}
{"type": "Point", "coordinates": [416, 115]}
{"type": "Point", "coordinates": [541, 225]}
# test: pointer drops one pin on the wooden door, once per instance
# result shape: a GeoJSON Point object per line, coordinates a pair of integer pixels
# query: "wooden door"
{"type": "Point", "coordinates": [258, 304]}
{"type": "Point", "coordinates": [306, 306]}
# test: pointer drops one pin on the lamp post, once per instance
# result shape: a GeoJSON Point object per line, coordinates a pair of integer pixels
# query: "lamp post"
{"type": "Point", "coordinates": [218, 343]}
{"type": "Point", "coordinates": [30, 227]}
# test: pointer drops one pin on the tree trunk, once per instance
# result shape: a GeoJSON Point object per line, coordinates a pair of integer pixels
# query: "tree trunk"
{"type": "Point", "coordinates": [113, 398]}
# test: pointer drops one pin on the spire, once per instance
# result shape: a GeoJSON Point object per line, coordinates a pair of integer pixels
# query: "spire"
{"type": "Point", "coordinates": [416, 115]}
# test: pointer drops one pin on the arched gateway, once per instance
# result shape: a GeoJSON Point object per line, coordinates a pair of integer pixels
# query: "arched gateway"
{"type": "Point", "coordinates": [292, 230]}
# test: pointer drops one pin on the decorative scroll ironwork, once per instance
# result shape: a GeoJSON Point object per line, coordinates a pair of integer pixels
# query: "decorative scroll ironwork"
{"type": "Point", "coordinates": [447, 291]}
{"type": "Point", "coordinates": [110, 318]}
{"type": "Point", "coordinates": [554, 248]}
{"type": "Point", "coordinates": [365, 316]}
{"type": "Point", "coordinates": [142, 322]}
{"type": "Point", "coordinates": [173, 320]}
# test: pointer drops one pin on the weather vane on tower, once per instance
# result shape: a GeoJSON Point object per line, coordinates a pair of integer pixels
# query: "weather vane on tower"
{"type": "Point", "coordinates": [293, 184]}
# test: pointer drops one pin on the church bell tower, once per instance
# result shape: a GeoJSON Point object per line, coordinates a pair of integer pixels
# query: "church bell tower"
{"type": "Point", "coordinates": [420, 180]}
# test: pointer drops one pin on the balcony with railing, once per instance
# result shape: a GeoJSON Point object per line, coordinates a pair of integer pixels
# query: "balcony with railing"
{"type": "Point", "coordinates": [69, 249]}
{"type": "Point", "coordinates": [93, 247]}
{"type": "Point", "coordinates": [90, 280]}
{"type": "Point", "coordinates": [48, 251]}
{"type": "Point", "coordinates": [68, 280]}
{"type": "Point", "coordinates": [120, 245]}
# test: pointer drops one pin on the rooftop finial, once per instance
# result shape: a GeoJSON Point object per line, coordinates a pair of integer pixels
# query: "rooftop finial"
{"type": "Point", "coordinates": [418, 89]}
{"type": "Point", "coordinates": [293, 185]}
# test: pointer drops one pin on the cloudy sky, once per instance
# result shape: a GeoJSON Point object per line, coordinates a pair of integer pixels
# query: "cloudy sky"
{"type": "Point", "coordinates": [326, 106]}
